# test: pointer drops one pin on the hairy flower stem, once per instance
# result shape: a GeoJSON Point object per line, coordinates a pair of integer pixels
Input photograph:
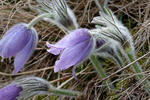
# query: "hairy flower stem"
{"type": "Point", "coordinates": [99, 69]}
{"type": "Point", "coordinates": [137, 69]}
{"type": "Point", "coordinates": [37, 19]}
{"type": "Point", "coordinates": [64, 92]}
{"type": "Point", "coordinates": [118, 60]}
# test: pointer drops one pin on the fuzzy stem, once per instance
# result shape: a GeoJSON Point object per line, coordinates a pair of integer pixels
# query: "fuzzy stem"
{"type": "Point", "coordinates": [98, 67]}
{"type": "Point", "coordinates": [137, 69]}
{"type": "Point", "coordinates": [136, 66]}
{"type": "Point", "coordinates": [64, 92]}
{"type": "Point", "coordinates": [118, 60]}
{"type": "Point", "coordinates": [37, 19]}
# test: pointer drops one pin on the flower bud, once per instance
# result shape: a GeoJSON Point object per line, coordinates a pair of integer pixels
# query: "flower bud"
{"type": "Point", "coordinates": [60, 13]}
{"type": "Point", "coordinates": [32, 86]}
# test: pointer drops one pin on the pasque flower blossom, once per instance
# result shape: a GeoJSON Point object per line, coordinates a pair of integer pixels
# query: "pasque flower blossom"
{"type": "Point", "coordinates": [10, 92]}
{"type": "Point", "coordinates": [19, 41]}
{"type": "Point", "coordinates": [73, 49]}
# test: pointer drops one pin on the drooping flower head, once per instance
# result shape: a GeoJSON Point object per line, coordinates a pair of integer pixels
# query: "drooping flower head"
{"type": "Point", "coordinates": [10, 92]}
{"type": "Point", "coordinates": [18, 41]}
{"type": "Point", "coordinates": [24, 88]}
{"type": "Point", "coordinates": [73, 49]}
{"type": "Point", "coordinates": [61, 14]}
{"type": "Point", "coordinates": [32, 86]}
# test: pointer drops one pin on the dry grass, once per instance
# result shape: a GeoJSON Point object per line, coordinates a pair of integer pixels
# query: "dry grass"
{"type": "Point", "coordinates": [135, 14]}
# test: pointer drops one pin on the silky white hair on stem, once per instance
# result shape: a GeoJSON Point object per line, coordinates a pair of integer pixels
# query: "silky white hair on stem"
{"type": "Point", "coordinates": [61, 14]}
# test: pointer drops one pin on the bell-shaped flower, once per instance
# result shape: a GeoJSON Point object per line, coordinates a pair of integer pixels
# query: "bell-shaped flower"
{"type": "Point", "coordinates": [73, 49]}
{"type": "Point", "coordinates": [10, 92]}
{"type": "Point", "coordinates": [18, 41]}
{"type": "Point", "coordinates": [60, 13]}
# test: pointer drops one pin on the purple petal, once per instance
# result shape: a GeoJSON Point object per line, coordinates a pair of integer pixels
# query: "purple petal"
{"type": "Point", "coordinates": [14, 40]}
{"type": "Point", "coordinates": [74, 55]}
{"type": "Point", "coordinates": [69, 40]}
{"type": "Point", "coordinates": [54, 49]}
{"type": "Point", "coordinates": [10, 92]}
{"type": "Point", "coordinates": [25, 53]}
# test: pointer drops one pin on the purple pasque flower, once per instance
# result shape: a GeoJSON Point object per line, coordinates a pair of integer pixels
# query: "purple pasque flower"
{"type": "Point", "coordinates": [73, 49]}
{"type": "Point", "coordinates": [10, 92]}
{"type": "Point", "coordinates": [18, 41]}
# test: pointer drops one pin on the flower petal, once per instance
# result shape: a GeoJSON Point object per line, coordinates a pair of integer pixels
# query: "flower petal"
{"type": "Point", "coordinates": [25, 53]}
{"type": "Point", "coordinates": [55, 50]}
{"type": "Point", "coordinates": [10, 92]}
{"type": "Point", "coordinates": [14, 40]}
{"type": "Point", "coordinates": [74, 55]}
{"type": "Point", "coordinates": [7, 35]}
{"type": "Point", "coordinates": [69, 40]}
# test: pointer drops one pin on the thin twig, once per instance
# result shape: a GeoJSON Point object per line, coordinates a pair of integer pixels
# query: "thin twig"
{"type": "Point", "coordinates": [28, 72]}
